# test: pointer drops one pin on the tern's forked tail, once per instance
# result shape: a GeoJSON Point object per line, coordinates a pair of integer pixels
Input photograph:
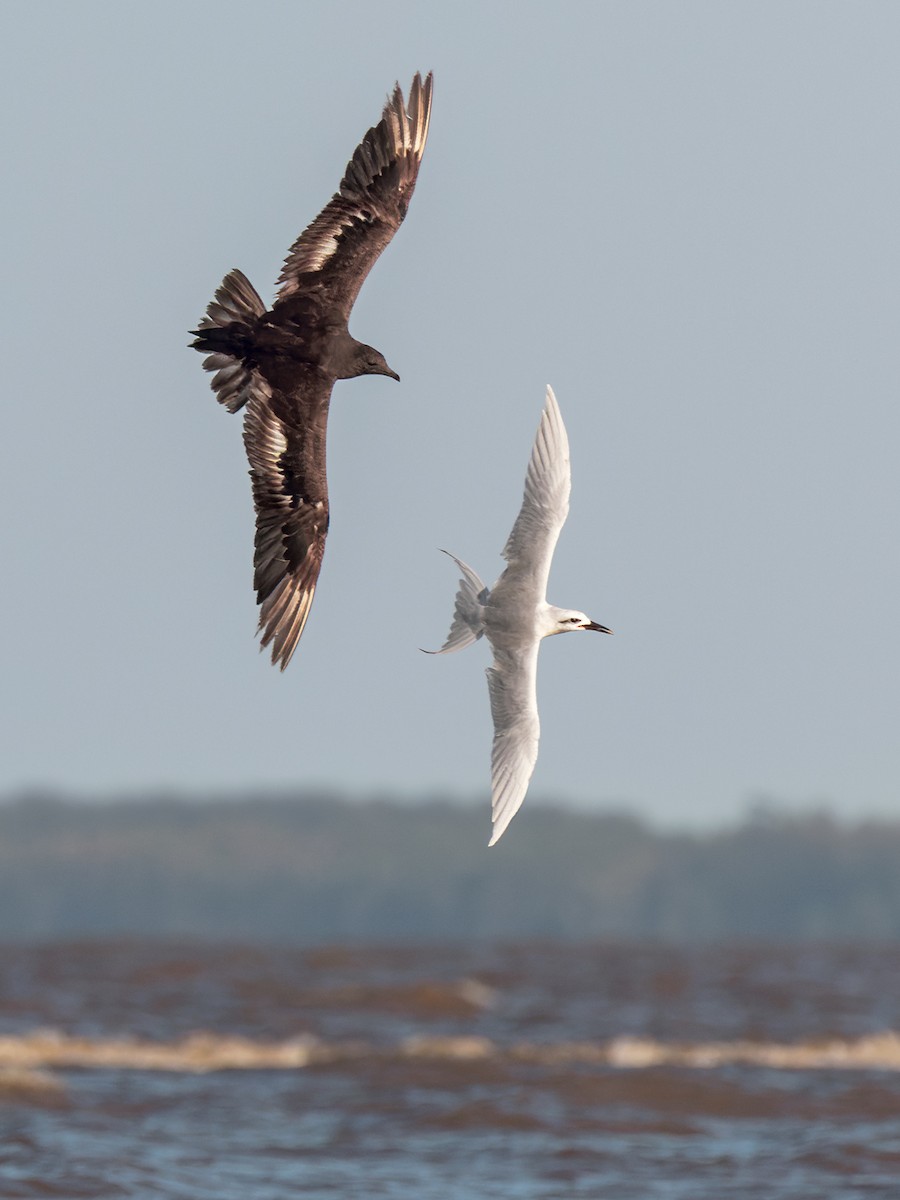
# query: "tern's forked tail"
{"type": "Point", "coordinates": [468, 612]}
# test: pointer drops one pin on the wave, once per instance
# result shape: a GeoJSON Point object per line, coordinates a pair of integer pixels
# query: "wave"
{"type": "Point", "coordinates": [22, 1057]}
{"type": "Point", "coordinates": [877, 1051]}
{"type": "Point", "coordinates": [25, 1085]}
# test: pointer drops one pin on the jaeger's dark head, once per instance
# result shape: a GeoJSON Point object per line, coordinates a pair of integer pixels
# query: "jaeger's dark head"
{"type": "Point", "coordinates": [366, 360]}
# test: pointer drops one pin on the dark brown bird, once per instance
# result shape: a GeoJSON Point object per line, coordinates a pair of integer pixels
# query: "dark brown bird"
{"type": "Point", "coordinates": [281, 364]}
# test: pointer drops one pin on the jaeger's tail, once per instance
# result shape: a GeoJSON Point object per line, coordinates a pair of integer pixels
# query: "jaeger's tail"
{"type": "Point", "coordinates": [468, 612]}
{"type": "Point", "coordinates": [225, 335]}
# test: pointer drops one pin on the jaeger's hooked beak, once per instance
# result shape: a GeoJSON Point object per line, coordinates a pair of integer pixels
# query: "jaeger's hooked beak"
{"type": "Point", "coordinates": [393, 374]}
{"type": "Point", "coordinates": [599, 628]}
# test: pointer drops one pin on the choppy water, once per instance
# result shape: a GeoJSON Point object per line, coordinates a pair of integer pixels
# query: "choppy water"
{"type": "Point", "coordinates": [529, 1072]}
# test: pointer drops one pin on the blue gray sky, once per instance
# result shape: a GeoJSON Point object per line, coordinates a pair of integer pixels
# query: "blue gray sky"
{"type": "Point", "coordinates": [682, 215]}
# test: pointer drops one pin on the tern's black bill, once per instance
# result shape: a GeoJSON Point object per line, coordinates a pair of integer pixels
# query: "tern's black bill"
{"type": "Point", "coordinates": [598, 628]}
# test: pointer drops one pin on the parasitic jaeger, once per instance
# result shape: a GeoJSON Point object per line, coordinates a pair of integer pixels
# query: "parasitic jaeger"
{"type": "Point", "coordinates": [280, 364]}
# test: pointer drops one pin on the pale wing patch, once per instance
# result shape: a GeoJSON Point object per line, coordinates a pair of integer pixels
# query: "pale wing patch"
{"type": "Point", "coordinates": [319, 242]}
{"type": "Point", "coordinates": [319, 251]}
{"type": "Point", "coordinates": [283, 616]}
{"type": "Point", "coordinates": [290, 535]}
{"type": "Point", "coordinates": [373, 194]}
{"type": "Point", "coordinates": [322, 244]}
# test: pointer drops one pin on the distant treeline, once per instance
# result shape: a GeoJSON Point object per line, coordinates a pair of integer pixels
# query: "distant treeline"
{"type": "Point", "coordinates": [318, 868]}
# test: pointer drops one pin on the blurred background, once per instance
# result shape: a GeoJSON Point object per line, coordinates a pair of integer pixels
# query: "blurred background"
{"type": "Point", "coordinates": [253, 941]}
{"type": "Point", "coordinates": [683, 216]}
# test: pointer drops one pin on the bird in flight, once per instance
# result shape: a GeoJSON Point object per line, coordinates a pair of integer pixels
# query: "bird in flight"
{"type": "Point", "coordinates": [280, 364]}
{"type": "Point", "coordinates": [515, 615]}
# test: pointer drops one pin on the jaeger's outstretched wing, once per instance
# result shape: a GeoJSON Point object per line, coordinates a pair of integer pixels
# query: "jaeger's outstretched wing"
{"type": "Point", "coordinates": [290, 494]}
{"type": "Point", "coordinates": [332, 257]}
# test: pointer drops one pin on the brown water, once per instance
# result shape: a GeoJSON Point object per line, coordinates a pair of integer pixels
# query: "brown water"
{"type": "Point", "coordinates": [526, 1071]}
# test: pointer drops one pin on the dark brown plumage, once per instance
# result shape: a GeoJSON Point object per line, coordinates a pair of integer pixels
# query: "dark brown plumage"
{"type": "Point", "coordinates": [280, 365]}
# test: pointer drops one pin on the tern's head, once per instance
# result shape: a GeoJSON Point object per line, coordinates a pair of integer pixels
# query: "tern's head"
{"type": "Point", "coordinates": [565, 620]}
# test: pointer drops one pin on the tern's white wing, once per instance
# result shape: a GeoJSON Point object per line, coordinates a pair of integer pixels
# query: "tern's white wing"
{"type": "Point", "coordinates": [529, 548]}
{"type": "Point", "coordinates": [512, 682]}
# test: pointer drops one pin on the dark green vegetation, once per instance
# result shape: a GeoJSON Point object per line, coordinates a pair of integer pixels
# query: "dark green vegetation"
{"type": "Point", "coordinates": [317, 868]}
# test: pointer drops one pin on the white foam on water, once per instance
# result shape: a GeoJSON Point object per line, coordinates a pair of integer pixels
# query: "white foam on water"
{"type": "Point", "coordinates": [202, 1051]}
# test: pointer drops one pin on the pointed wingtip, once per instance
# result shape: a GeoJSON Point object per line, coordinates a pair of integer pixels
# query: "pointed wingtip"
{"type": "Point", "coordinates": [500, 827]}
{"type": "Point", "coordinates": [498, 833]}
